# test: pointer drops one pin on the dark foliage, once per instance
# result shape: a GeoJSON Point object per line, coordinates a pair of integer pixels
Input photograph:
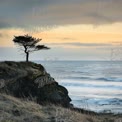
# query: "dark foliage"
{"type": "Point", "coordinates": [29, 43]}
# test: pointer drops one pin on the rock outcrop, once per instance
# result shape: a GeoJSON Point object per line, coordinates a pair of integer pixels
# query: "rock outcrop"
{"type": "Point", "coordinates": [26, 80]}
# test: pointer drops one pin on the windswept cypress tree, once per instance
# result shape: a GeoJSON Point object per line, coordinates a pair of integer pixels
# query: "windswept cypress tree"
{"type": "Point", "coordinates": [29, 44]}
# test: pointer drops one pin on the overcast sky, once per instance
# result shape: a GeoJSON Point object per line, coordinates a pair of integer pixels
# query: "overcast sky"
{"type": "Point", "coordinates": [74, 29]}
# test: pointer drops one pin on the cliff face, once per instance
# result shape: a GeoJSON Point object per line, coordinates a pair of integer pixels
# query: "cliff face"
{"type": "Point", "coordinates": [22, 79]}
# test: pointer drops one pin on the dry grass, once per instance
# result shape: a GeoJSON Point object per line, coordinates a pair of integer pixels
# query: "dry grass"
{"type": "Point", "coordinates": [16, 110]}
{"type": "Point", "coordinates": [60, 114]}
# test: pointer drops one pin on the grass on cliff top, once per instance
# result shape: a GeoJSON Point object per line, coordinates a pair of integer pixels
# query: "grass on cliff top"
{"type": "Point", "coordinates": [16, 110]}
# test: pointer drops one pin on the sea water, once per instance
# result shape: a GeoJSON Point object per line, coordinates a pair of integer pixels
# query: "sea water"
{"type": "Point", "coordinates": [92, 85]}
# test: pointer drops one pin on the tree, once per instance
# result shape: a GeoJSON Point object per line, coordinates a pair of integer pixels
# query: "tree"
{"type": "Point", "coordinates": [29, 44]}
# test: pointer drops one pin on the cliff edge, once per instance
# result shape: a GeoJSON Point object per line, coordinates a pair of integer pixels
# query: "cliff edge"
{"type": "Point", "coordinates": [30, 80]}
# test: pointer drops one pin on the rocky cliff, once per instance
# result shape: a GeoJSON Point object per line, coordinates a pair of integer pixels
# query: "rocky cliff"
{"type": "Point", "coordinates": [30, 80]}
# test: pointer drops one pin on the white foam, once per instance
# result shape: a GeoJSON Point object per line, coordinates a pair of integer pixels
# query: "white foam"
{"type": "Point", "coordinates": [89, 82]}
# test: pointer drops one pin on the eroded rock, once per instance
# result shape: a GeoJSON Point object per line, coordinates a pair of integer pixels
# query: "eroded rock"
{"type": "Point", "coordinates": [22, 79]}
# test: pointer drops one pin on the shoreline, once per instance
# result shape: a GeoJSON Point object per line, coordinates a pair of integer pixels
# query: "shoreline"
{"type": "Point", "coordinates": [94, 83]}
{"type": "Point", "coordinates": [38, 96]}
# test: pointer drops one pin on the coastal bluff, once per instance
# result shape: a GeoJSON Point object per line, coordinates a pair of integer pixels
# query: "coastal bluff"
{"type": "Point", "coordinates": [31, 80]}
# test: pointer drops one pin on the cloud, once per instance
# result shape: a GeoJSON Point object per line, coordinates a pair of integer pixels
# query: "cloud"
{"type": "Point", "coordinates": [2, 35]}
{"type": "Point", "coordinates": [78, 44]}
{"type": "Point", "coordinates": [117, 42]}
{"type": "Point", "coordinates": [9, 53]}
{"type": "Point", "coordinates": [66, 38]}
{"type": "Point", "coordinates": [4, 24]}
{"type": "Point", "coordinates": [29, 13]}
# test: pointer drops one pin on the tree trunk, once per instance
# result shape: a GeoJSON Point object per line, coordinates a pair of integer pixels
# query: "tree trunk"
{"type": "Point", "coordinates": [27, 56]}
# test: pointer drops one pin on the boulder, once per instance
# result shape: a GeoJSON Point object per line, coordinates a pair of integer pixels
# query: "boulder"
{"type": "Point", "coordinates": [30, 80]}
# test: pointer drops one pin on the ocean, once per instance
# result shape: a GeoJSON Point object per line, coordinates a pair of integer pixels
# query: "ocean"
{"type": "Point", "coordinates": [92, 85]}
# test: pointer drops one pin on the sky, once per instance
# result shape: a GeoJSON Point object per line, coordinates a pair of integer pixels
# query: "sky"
{"type": "Point", "coordinates": [73, 29]}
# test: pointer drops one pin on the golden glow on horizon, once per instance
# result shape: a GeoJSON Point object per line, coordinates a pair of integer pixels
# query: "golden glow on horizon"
{"type": "Point", "coordinates": [7, 35]}
{"type": "Point", "coordinates": [107, 33]}
{"type": "Point", "coordinates": [84, 34]}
